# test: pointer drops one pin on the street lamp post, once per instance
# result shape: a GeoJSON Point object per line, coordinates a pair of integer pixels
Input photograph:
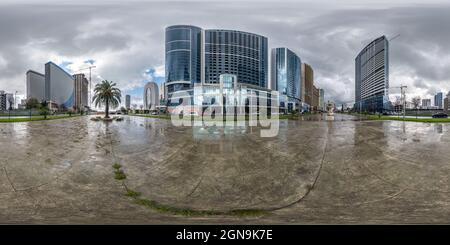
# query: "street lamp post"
{"type": "Point", "coordinates": [15, 95]}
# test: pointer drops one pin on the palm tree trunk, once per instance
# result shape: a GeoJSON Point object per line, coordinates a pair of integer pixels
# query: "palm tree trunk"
{"type": "Point", "coordinates": [107, 109]}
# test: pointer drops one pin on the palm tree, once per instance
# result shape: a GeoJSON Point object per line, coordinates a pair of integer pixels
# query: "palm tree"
{"type": "Point", "coordinates": [106, 94]}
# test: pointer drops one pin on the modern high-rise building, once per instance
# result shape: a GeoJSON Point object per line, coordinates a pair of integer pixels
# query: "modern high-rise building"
{"type": "Point", "coordinates": [308, 80]}
{"type": "Point", "coordinates": [315, 98]}
{"type": "Point", "coordinates": [372, 77]}
{"type": "Point", "coordinates": [286, 77]}
{"type": "Point", "coordinates": [194, 56]}
{"type": "Point", "coordinates": [6, 101]}
{"type": "Point", "coordinates": [162, 93]}
{"type": "Point", "coordinates": [59, 86]}
{"type": "Point", "coordinates": [81, 85]}
{"type": "Point", "coordinates": [151, 96]}
{"type": "Point", "coordinates": [127, 101]}
{"type": "Point", "coordinates": [238, 53]}
{"type": "Point", "coordinates": [446, 104]}
{"type": "Point", "coordinates": [321, 99]}
{"type": "Point", "coordinates": [448, 101]}
{"type": "Point", "coordinates": [438, 98]}
{"type": "Point", "coordinates": [426, 103]}
{"type": "Point", "coordinates": [183, 57]}
{"type": "Point", "coordinates": [35, 85]}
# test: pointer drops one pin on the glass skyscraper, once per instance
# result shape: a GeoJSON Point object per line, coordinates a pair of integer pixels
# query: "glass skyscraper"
{"type": "Point", "coordinates": [286, 77]}
{"type": "Point", "coordinates": [372, 77]}
{"type": "Point", "coordinates": [195, 56]}
{"type": "Point", "coordinates": [235, 52]}
{"type": "Point", "coordinates": [183, 57]}
{"type": "Point", "coordinates": [438, 98]}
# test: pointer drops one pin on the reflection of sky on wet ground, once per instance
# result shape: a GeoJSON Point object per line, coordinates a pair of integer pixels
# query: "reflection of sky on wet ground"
{"type": "Point", "coordinates": [214, 132]}
{"type": "Point", "coordinates": [364, 162]}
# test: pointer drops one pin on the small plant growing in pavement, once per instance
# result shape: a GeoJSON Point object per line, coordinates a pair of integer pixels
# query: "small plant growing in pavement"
{"type": "Point", "coordinates": [131, 193]}
{"type": "Point", "coordinates": [119, 174]}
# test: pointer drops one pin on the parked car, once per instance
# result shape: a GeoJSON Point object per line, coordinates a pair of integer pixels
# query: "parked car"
{"type": "Point", "coordinates": [440, 115]}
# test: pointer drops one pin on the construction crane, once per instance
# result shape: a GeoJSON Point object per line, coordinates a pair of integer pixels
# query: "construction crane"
{"type": "Point", "coordinates": [392, 38]}
{"type": "Point", "coordinates": [403, 97]}
{"type": "Point", "coordinates": [90, 82]}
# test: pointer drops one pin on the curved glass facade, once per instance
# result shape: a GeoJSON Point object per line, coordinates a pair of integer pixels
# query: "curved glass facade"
{"type": "Point", "coordinates": [372, 76]}
{"type": "Point", "coordinates": [183, 55]}
{"type": "Point", "coordinates": [239, 53]}
{"type": "Point", "coordinates": [59, 86]}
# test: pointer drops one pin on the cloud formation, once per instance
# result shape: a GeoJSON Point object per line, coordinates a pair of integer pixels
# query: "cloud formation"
{"type": "Point", "coordinates": [126, 40]}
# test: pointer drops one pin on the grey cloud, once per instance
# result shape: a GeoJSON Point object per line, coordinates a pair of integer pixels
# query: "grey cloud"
{"type": "Point", "coordinates": [326, 35]}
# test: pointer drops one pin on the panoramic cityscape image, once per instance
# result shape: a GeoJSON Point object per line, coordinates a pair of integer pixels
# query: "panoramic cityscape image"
{"type": "Point", "coordinates": [217, 112]}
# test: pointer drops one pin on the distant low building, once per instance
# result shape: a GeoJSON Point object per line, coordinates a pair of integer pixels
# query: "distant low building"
{"type": "Point", "coordinates": [426, 103]}
{"type": "Point", "coordinates": [22, 105]}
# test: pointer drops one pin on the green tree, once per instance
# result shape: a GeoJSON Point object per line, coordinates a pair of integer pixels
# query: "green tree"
{"type": "Point", "coordinates": [32, 103]}
{"type": "Point", "coordinates": [43, 109]}
{"type": "Point", "coordinates": [106, 93]}
{"type": "Point", "coordinates": [416, 104]}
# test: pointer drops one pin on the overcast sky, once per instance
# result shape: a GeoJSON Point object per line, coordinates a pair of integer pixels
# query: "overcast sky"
{"type": "Point", "coordinates": [126, 40]}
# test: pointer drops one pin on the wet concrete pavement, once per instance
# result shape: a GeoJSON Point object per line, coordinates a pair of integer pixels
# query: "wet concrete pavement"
{"type": "Point", "coordinates": [314, 171]}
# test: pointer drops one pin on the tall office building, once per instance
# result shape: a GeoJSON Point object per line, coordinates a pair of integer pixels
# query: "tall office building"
{"type": "Point", "coordinates": [372, 77]}
{"type": "Point", "coordinates": [446, 104]}
{"type": "Point", "coordinates": [183, 57]}
{"type": "Point", "coordinates": [127, 101]}
{"type": "Point", "coordinates": [315, 98]}
{"type": "Point", "coordinates": [59, 86]}
{"type": "Point", "coordinates": [194, 56]}
{"type": "Point", "coordinates": [438, 100]}
{"type": "Point", "coordinates": [2, 100]}
{"type": "Point", "coordinates": [238, 53]}
{"type": "Point", "coordinates": [6, 101]}
{"type": "Point", "coordinates": [308, 83]}
{"type": "Point", "coordinates": [35, 85]}
{"type": "Point", "coordinates": [162, 93]}
{"type": "Point", "coordinates": [448, 101]}
{"type": "Point", "coordinates": [81, 85]}
{"type": "Point", "coordinates": [286, 77]}
{"type": "Point", "coordinates": [321, 99]}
